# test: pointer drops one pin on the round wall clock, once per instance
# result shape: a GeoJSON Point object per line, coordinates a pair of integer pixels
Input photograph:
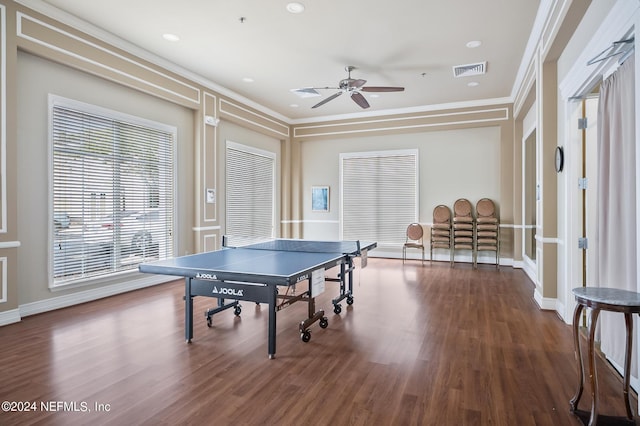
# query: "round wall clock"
{"type": "Point", "coordinates": [559, 159]}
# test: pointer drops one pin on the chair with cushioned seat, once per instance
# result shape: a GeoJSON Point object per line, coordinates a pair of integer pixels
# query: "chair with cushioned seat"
{"type": "Point", "coordinates": [487, 228]}
{"type": "Point", "coordinates": [441, 230]}
{"type": "Point", "coordinates": [414, 240]}
{"type": "Point", "coordinates": [463, 228]}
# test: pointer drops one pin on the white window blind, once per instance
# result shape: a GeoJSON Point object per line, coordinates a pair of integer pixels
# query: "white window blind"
{"type": "Point", "coordinates": [379, 195]}
{"type": "Point", "coordinates": [250, 187]}
{"type": "Point", "coordinates": [113, 179]}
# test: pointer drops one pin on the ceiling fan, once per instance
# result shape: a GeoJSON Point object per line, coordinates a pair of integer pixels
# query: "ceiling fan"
{"type": "Point", "coordinates": [351, 86]}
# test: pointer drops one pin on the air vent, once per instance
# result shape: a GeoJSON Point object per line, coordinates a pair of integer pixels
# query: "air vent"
{"type": "Point", "coordinates": [470, 69]}
{"type": "Point", "coordinates": [306, 92]}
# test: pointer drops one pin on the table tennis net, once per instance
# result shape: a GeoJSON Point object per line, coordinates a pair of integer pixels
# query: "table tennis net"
{"type": "Point", "coordinates": [278, 244]}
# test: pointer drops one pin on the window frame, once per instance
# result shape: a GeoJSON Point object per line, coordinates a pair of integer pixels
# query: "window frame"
{"type": "Point", "coordinates": [378, 154]}
{"type": "Point", "coordinates": [273, 157]}
{"type": "Point", "coordinates": [108, 114]}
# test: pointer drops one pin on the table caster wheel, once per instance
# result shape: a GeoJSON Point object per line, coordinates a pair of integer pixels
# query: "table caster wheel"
{"type": "Point", "coordinates": [237, 310]}
{"type": "Point", "coordinates": [209, 322]}
{"type": "Point", "coordinates": [349, 300]}
{"type": "Point", "coordinates": [305, 336]}
{"type": "Point", "coordinates": [324, 322]}
{"type": "Point", "coordinates": [337, 309]}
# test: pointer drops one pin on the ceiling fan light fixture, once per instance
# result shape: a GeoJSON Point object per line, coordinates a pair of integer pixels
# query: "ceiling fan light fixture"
{"type": "Point", "coordinates": [306, 92]}
{"type": "Point", "coordinates": [352, 86]}
{"type": "Point", "coordinates": [295, 7]}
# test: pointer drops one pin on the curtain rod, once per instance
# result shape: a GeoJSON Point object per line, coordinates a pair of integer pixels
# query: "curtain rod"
{"type": "Point", "coordinates": [614, 45]}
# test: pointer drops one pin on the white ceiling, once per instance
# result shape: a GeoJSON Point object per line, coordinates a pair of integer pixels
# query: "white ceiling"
{"type": "Point", "coordinates": [409, 43]}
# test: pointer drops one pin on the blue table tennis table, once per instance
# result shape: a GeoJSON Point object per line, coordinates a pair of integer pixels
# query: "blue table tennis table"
{"type": "Point", "coordinates": [255, 272]}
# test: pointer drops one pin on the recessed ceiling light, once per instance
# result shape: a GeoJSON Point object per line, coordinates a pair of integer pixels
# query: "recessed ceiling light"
{"type": "Point", "coordinates": [473, 44]}
{"type": "Point", "coordinates": [294, 105]}
{"type": "Point", "coordinates": [374, 96]}
{"type": "Point", "coordinates": [170, 37]}
{"type": "Point", "coordinates": [295, 7]}
{"type": "Point", "coordinates": [248, 80]}
{"type": "Point", "coordinates": [473, 84]}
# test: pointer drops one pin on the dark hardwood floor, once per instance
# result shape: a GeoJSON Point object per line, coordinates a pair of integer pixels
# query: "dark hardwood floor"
{"type": "Point", "coordinates": [421, 345]}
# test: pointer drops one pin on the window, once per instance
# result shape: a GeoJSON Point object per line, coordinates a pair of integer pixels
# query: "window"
{"type": "Point", "coordinates": [250, 177]}
{"type": "Point", "coordinates": [112, 195]}
{"type": "Point", "coordinates": [379, 195]}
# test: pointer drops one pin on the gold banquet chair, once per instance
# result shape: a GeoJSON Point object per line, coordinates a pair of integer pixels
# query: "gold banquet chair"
{"type": "Point", "coordinates": [487, 228]}
{"type": "Point", "coordinates": [414, 239]}
{"type": "Point", "coordinates": [440, 230]}
{"type": "Point", "coordinates": [463, 228]}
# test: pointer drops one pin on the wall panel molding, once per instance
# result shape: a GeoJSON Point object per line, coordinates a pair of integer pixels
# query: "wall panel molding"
{"type": "Point", "coordinates": [527, 86]}
{"type": "Point", "coordinates": [208, 167]}
{"type": "Point", "coordinates": [4, 279]}
{"type": "Point", "coordinates": [210, 242]}
{"type": "Point", "coordinates": [421, 121]}
{"type": "Point", "coordinates": [35, 34]}
{"type": "Point", "coordinates": [242, 114]}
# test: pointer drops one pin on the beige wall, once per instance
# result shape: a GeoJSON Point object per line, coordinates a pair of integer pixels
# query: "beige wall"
{"type": "Point", "coordinates": [462, 163]}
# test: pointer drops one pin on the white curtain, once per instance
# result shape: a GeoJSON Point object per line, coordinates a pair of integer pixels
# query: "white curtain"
{"type": "Point", "coordinates": [616, 214]}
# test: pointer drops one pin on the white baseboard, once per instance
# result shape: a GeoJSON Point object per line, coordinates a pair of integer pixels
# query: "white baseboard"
{"type": "Point", "coordinates": [560, 310]}
{"type": "Point", "coordinates": [9, 317]}
{"type": "Point", "coordinates": [440, 257]}
{"type": "Point", "coordinates": [89, 295]}
{"type": "Point", "coordinates": [529, 270]}
{"type": "Point", "coordinates": [547, 304]}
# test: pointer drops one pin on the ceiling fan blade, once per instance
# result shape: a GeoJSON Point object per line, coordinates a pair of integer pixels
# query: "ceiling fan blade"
{"type": "Point", "coordinates": [357, 83]}
{"type": "Point", "coordinates": [382, 89]}
{"type": "Point", "coordinates": [324, 101]}
{"type": "Point", "coordinates": [359, 99]}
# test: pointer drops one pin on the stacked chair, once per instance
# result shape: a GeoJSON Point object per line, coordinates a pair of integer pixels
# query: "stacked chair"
{"type": "Point", "coordinates": [463, 228]}
{"type": "Point", "coordinates": [487, 229]}
{"type": "Point", "coordinates": [440, 230]}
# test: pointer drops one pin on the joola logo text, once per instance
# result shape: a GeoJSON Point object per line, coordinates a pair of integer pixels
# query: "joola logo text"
{"type": "Point", "coordinates": [206, 276]}
{"type": "Point", "coordinates": [227, 291]}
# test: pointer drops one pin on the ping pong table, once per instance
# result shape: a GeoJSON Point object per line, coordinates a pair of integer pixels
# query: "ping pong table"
{"type": "Point", "coordinates": [254, 273]}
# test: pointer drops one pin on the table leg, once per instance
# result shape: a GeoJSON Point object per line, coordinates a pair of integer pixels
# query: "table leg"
{"type": "Point", "coordinates": [350, 268]}
{"type": "Point", "coordinates": [628, 319]}
{"type": "Point", "coordinates": [593, 374]}
{"type": "Point", "coordinates": [578, 354]}
{"type": "Point", "coordinates": [188, 310]}
{"type": "Point", "coordinates": [272, 322]}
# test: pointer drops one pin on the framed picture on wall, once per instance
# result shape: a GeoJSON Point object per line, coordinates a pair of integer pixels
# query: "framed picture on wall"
{"type": "Point", "coordinates": [320, 198]}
